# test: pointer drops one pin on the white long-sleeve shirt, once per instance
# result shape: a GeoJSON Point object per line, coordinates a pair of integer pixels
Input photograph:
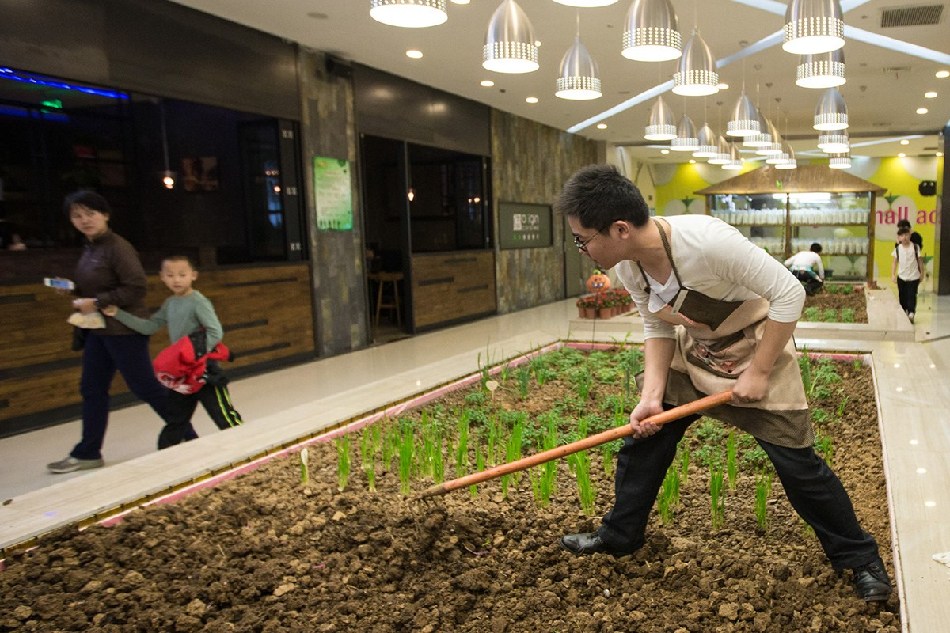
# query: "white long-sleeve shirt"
{"type": "Point", "coordinates": [714, 258]}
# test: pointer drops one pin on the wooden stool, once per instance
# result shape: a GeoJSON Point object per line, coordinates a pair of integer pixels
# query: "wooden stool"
{"type": "Point", "coordinates": [381, 279]}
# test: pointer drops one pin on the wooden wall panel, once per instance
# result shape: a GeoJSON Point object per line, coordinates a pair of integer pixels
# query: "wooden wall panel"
{"type": "Point", "coordinates": [451, 287]}
{"type": "Point", "coordinates": [265, 311]}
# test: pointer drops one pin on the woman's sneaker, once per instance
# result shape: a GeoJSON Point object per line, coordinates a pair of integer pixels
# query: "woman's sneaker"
{"type": "Point", "coordinates": [71, 464]}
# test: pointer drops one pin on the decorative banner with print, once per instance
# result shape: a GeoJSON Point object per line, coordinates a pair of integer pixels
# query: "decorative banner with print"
{"type": "Point", "coordinates": [334, 194]}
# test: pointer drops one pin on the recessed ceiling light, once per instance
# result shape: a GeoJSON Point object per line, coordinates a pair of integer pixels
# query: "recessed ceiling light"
{"type": "Point", "coordinates": [905, 142]}
{"type": "Point", "coordinates": [460, 1]}
{"type": "Point", "coordinates": [664, 151]}
{"type": "Point", "coordinates": [692, 161]}
{"type": "Point", "coordinates": [943, 74]}
{"type": "Point", "coordinates": [488, 83]}
{"type": "Point", "coordinates": [531, 100]}
{"type": "Point", "coordinates": [922, 110]}
{"type": "Point", "coordinates": [939, 154]}
{"type": "Point", "coordinates": [601, 126]}
{"type": "Point", "coordinates": [901, 155]}
{"type": "Point", "coordinates": [723, 86]}
{"type": "Point", "coordinates": [930, 95]}
{"type": "Point", "coordinates": [414, 54]}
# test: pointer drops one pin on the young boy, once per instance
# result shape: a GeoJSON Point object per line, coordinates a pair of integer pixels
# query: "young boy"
{"type": "Point", "coordinates": [186, 312]}
{"type": "Point", "coordinates": [905, 271]}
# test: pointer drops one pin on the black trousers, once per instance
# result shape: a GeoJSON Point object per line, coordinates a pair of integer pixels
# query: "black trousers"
{"type": "Point", "coordinates": [907, 294]}
{"type": "Point", "coordinates": [216, 400]}
{"type": "Point", "coordinates": [812, 488]}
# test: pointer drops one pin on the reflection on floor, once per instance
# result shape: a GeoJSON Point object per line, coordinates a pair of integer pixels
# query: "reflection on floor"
{"type": "Point", "coordinates": [297, 402]}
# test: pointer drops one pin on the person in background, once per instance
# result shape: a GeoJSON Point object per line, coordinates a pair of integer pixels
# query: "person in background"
{"type": "Point", "coordinates": [186, 312]}
{"type": "Point", "coordinates": [906, 268]}
{"type": "Point", "coordinates": [915, 237]}
{"type": "Point", "coordinates": [808, 268]}
{"type": "Point", "coordinates": [718, 314]}
{"type": "Point", "coordinates": [108, 273]}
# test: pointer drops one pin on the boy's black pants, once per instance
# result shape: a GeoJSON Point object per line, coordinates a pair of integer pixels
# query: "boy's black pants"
{"type": "Point", "coordinates": [216, 400]}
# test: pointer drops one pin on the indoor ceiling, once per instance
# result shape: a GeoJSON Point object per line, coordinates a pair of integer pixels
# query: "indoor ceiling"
{"type": "Point", "coordinates": [885, 84]}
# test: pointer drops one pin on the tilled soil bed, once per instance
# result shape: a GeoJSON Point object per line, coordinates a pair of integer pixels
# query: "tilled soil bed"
{"type": "Point", "coordinates": [262, 552]}
{"type": "Point", "coordinates": [855, 301]}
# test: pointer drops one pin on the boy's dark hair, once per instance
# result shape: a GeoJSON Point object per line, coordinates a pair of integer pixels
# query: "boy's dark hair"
{"type": "Point", "coordinates": [598, 195]}
{"type": "Point", "coordinates": [903, 224]}
{"type": "Point", "coordinates": [180, 258]}
{"type": "Point", "coordinates": [88, 199]}
{"type": "Point", "coordinates": [815, 247]}
{"type": "Point", "coordinates": [903, 230]}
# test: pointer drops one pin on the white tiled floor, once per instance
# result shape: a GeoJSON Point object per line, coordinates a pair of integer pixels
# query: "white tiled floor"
{"type": "Point", "coordinates": [910, 367]}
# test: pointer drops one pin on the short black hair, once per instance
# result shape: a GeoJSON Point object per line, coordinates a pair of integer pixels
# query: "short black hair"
{"type": "Point", "coordinates": [903, 224]}
{"type": "Point", "coordinates": [598, 195]}
{"type": "Point", "coordinates": [904, 230]}
{"type": "Point", "coordinates": [180, 258]}
{"type": "Point", "coordinates": [88, 199]}
{"type": "Point", "coordinates": [815, 247]}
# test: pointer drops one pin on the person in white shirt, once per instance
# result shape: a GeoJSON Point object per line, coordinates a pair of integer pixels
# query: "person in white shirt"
{"type": "Point", "coordinates": [808, 268]}
{"type": "Point", "coordinates": [718, 314]}
{"type": "Point", "coordinates": [905, 271]}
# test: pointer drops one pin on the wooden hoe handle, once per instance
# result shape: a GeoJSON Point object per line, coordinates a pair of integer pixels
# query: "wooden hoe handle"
{"type": "Point", "coordinates": [574, 447]}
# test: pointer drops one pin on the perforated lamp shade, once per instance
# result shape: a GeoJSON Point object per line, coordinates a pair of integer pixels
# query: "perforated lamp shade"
{"type": "Point", "coordinates": [510, 43]}
{"type": "Point", "coordinates": [813, 26]}
{"type": "Point", "coordinates": [734, 163]}
{"type": "Point", "coordinates": [706, 141]}
{"type": "Point", "coordinates": [831, 114]}
{"type": "Point", "coordinates": [745, 118]}
{"type": "Point", "coordinates": [409, 14]}
{"type": "Point", "coordinates": [662, 125]}
{"type": "Point", "coordinates": [789, 163]}
{"type": "Point", "coordinates": [579, 79]}
{"type": "Point", "coordinates": [834, 142]}
{"type": "Point", "coordinates": [761, 138]}
{"type": "Point", "coordinates": [824, 70]}
{"type": "Point", "coordinates": [722, 153]}
{"type": "Point", "coordinates": [840, 161]}
{"type": "Point", "coordinates": [696, 74]}
{"type": "Point", "coordinates": [651, 34]}
{"type": "Point", "coordinates": [686, 139]}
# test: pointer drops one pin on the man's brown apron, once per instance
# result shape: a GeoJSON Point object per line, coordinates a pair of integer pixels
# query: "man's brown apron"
{"type": "Point", "coordinates": [715, 343]}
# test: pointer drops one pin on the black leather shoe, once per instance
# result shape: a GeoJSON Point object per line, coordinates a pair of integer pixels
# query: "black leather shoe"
{"type": "Point", "coordinates": [871, 582]}
{"type": "Point", "coordinates": [588, 543]}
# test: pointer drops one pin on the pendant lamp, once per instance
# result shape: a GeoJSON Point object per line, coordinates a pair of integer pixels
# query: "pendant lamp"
{"type": "Point", "coordinates": [662, 125]}
{"type": "Point", "coordinates": [409, 14]}
{"type": "Point", "coordinates": [686, 139]}
{"type": "Point", "coordinates": [509, 43]}
{"type": "Point", "coordinates": [722, 153]}
{"type": "Point", "coordinates": [825, 70]}
{"type": "Point", "coordinates": [781, 157]}
{"type": "Point", "coordinates": [831, 113]}
{"type": "Point", "coordinates": [745, 118]}
{"type": "Point", "coordinates": [790, 162]}
{"type": "Point", "coordinates": [834, 142]}
{"type": "Point", "coordinates": [650, 34]}
{"type": "Point", "coordinates": [840, 161]}
{"type": "Point", "coordinates": [734, 163]}
{"type": "Point", "coordinates": [696, 75]}
{"type": "Point", "coordinates": [773, 147]}
{"type": "Point", "coordinates": [813, 27]}
{"type": "Point", "coordinates": [706, 143]}
{"type": "Point", "coordinates": [578, 80]}
{"type": "Point", "coordinates": [761, 138]}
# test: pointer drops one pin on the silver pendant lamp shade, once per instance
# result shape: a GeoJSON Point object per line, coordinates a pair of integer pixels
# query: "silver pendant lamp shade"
{"type": "Point", "coordinates": [832, 112]}
{"type": "Point", "coordinates": [696, 75]}
{"type": "Point", "coordinates": [662, 125]}
{"type": "Point", "coordinates": [745, 118]}
{"type": "Point", "coordinates": [781, 157]}
{"type": "Point", "coordinates": [686, 139]}
{"type": "Point", "coordinates": [840, 161]}
{"type": "Point", "coordinates": [587, 3]}
{"type": "Point", "coordinates": [579, 79]}
{"type": "Point", "coordinates": [722, 153]}
{"type": "Point", "coordinates": [789, 163]}
{"type": "Point", "coordinates": [813, 27]}
{"type": "Point", "coordinates": [834, 142]}
{"type": "Point", "coordinates": [825, 70]}
{"type": "Point", "coordinates": [761, 138]}
{"type": "Point", "coordinates": [706, 141]}
{"type": "Point", "coordinates": [510, 43]}
{"type": "Point", "coordinates": [773, 147]}
{"type": "Point", "coordinates": [650, 34]}
{"type": "Point", "coordinates": [734, 163]}
{"type": "Point", "coordinates": [409, 14]}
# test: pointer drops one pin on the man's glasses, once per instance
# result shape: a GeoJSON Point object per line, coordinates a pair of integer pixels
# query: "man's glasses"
{"type": "Point", "coordinates": [581, 244]}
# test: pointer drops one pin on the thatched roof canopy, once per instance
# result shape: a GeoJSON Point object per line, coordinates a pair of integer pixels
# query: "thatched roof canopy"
{"type": "Point", "coordinates": [804, 179]}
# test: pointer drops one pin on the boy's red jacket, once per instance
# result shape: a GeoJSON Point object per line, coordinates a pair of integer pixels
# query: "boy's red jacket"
{"type": "Point", "coordinates": [180, 369]}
